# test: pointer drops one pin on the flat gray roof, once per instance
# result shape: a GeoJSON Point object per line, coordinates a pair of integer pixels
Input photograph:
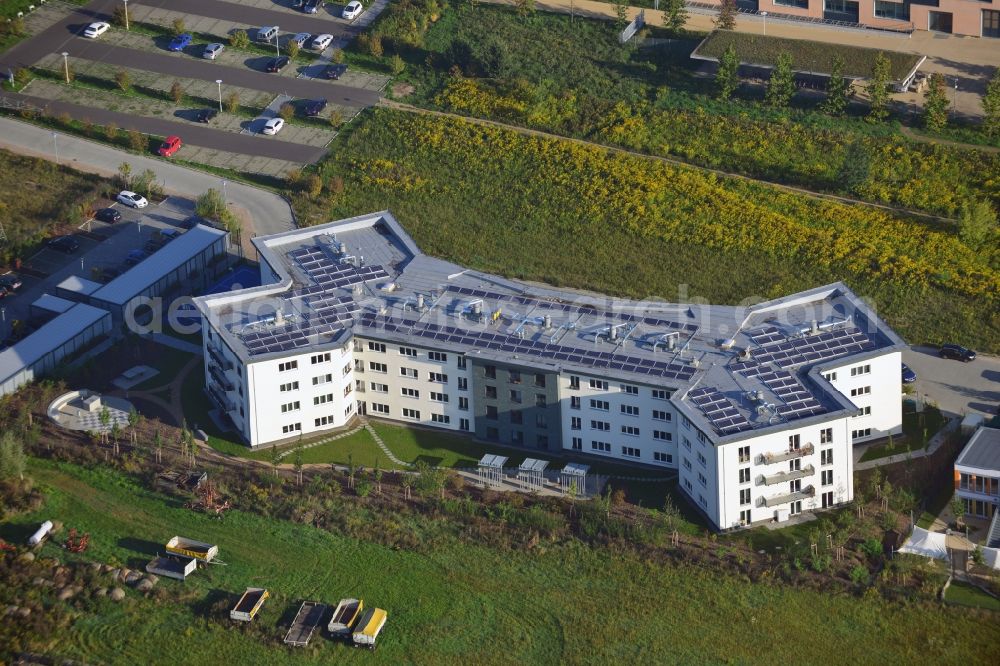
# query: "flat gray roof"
{"type": "Point", "coordinates": [79, 285]}
{"type": "Point", "coordinates": [48, 338]}
{"type": "Point", "coordinates": [52, 303]}
{"type": "Point", "coordinates": [732, 368]}
{"type": "Point", "coordinates": [162, 262]}
{"type": "Point", "coordinates": [983, 450]}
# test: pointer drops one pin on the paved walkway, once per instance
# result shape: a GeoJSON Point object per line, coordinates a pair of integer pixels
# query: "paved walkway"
{"type": "Point", "coordinates": [932, 446]}
{"type": "Point", "coordinates": [268, 212]}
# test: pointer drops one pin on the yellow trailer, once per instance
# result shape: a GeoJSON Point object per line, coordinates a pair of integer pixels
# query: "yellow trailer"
{"type": "Point", "coordinates": [248, 605]}
{"type": "Point", "coordinates": [196, 550]}
{"type": "Point", "coordinates": [369, 626]}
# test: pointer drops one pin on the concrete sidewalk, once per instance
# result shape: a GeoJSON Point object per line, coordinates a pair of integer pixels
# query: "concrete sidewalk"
{"type": "Point", "coordinates": [268, 212]}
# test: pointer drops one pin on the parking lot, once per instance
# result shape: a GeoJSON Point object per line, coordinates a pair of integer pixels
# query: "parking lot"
{"type": "Point", "coordinates": [153, 68]}
{"type": "Point", "coordinates": [103, 249]}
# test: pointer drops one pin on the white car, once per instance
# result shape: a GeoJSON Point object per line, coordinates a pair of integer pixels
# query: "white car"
{"type": "Point", "coordinates": [352, 10]}
{"type": "Point", "coordinates": [273, 126]}
{"type": "Point", "coordinates": [212, 51]}
{"type": "Point", "coordinates": [322, 41]}
{"type": "Point", "coordinates": [300, 39]}
{"type": "Point", "coordinates": [132, 199]}
{"type": "Point", "coordinates": [95, 30]}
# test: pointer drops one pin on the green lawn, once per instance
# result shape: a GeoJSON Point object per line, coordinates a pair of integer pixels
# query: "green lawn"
{"type": "Point", "coordinates": [807, 56]}
{"type": "Point", "coordinates": [964, 594]}
{"type": "Point", "coordinates": [358, 448]}
{"type": "Point", "coordinates": [917, 431]}
{"type": "Point", "coordinates": [455, 602]}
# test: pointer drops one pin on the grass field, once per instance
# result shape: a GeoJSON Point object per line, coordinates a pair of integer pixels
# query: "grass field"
{"type": "Point", "coordinates": [807, 56]}
{"type": "Point", "coordinates": [964, 594]}
{"type": "Point", "coordinates": [915, 427]}
{"type": "Point", "coordinates": [455, 603]}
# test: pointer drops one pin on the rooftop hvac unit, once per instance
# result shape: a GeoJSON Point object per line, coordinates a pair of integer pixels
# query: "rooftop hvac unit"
{"type": "Point", "coordinates": [727, 344]}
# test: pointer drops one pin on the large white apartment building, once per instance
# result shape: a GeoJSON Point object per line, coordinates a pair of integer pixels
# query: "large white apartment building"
{"type": "Point", "coordinates": [757, 407]}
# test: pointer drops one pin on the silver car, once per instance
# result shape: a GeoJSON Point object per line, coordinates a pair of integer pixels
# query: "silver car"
{"type": "Point", "coordinates": [300, 39]}
{"type": "Point", "coordinates": [212, 51]}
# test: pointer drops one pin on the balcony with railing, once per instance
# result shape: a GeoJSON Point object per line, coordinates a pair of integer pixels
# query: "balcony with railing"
{"type": "Point", "coordinates": [805, 493]}
{"type": "Point", "coordinates": [788, 475]}
{"type": "Point", "coordinates": [219, 377]}
{"type": "Point", "coordinates": [216, 355]}
{"type": "Point", "coordinates": [223, 401]}
{"type": "Point", "coordinates": [790, 454]}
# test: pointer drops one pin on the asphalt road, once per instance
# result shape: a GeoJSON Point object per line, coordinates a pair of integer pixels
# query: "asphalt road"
{"type": "Point", "coordinates": [955, 386]}
{"type": "Point", "coordinates": [268, 212]}
{"type": "Point", "coordinates": [288, 19]}
{"type": "Point", "coordinates": [192, 133]}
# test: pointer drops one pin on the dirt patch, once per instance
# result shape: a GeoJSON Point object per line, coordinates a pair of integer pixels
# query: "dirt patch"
{"type": "Point", "coordinates": [401, 90]}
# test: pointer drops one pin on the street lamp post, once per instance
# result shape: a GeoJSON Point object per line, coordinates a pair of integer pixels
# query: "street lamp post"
{"type": "Point", "coordinates": [277, 51]}
{"type": "Point", "coordinates": [219, 83]}
{"type": "Point", "coordinates": [225, 193]}
{"type": "Point", "coordinates": [126, 13]}
{"type": "Point", "coordinates": [55, 145]}
{"type": "Point", "coordinates": [954, 93]}
{"type": "Point", "coordinates": [65, 56]}
{"type": "Point", "coordinates": [764, 16]}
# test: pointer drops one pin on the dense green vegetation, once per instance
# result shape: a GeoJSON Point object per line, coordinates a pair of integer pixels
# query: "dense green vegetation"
{"type": "Point", "coordinates": [964, 594]}
{"type": "Point", "coordinates": [570, 214]}
{"type": "Point", "coordinates": [807, 56]}
{"type": "Point", "coordinates": [450, 601]}
{"type": "Point", "coordinates": [653, 100]}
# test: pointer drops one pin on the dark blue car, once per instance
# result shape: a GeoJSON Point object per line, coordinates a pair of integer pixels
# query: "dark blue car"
{"type": "Point", "coordinates": [180, 42]}
{"type": "Point", "coordinates": [908, 375]}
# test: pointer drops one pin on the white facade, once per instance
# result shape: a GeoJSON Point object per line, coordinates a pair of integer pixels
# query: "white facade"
{"type": "Point", "coordinates": [874, 386]}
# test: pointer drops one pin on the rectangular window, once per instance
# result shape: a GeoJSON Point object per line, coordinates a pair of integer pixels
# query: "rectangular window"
{"type": "Point", "coordinates": [687, 484]}
{"type": "Point", "coordinates": [801, 4]}
{"type": "Point", "coordinates": [827, 477]}
{"type": "Point", "coordinates": [541, 421]}
{"type": "Point", "coordinates": [744, 475]}
{"type": "Point", "coordinates": [862, 433]}
{"type": "Point", "coordinates": [463, 404]}
{"type": "Point", "coordinates": [378, 367]}
{"type": "Point", "coordinates": [632, 431]}
{"type": "Point", "coordinates": [601, 446]}
{"type": "Point", "coordinates": [744, 454]}
{"type": "Point", "coordinates": [440, 357]}
{"type": "Point", "coordinates": [687, 464]}
{"type": "Point", "coordinates": [379, 388]}
{"type": "Point", "coordinates": [794, 441]}
{"type": "Point", "coordinates": [288, 365]}
{"type": "Point", "coordinates": [898, 11]}
{"type": "Point", "coordinates": [663, 435]}
{"type": "Point", "coordinates": [463, 424]}
{"type": "Point", "coordinates": [410, 413]}
{"type": "Point", "coordinates": [701, 459]}
{"type": "Point", "coordinates": [660, 415]}
{"type": "Point", "coordinates": [864, 411]}
{"type": "Point", "coordinates": [629, 389]}
{"type": "Point", "coordinates": [516, 416]}
{"type": "Point", "coordinates": [865, 369]}
{"type": "Point", "coordinates": [744, 496]}
{"type": "Point", "coordinates": [438, 378]}
{"type": "Point", "coordinates": [630, 452]}
{"type": "Point", "coordinates": [461, 366]}
{"type": "Point", "coordinates": [409, 392]}
{"type": "Point", "coordinates": [316, 359]}
{"type": "Point", "coordinates": [291, 427]}
{"type": "Point", "coordinates": [686, 442]}
{"type": "Point", "coordinates": [514, 376]}
{"type": "Point", "coordinates": [407, 351]}
{"type": "Point", "coordinates": [359, 365]}
{"type": "Point", "coordinates": [491, 412]}
{"type": "Point", "coordinates": [861, 390]}
{"type": "Point", "coordinates": [322, 379]}
{"type": "Point", "coordinates": [323, 420]}
{"type": "Point", "coordinates": [578, 443]}
{"type": "Point", "coordinates": [630, 410]}
{"type": "Point", "coordinates": [440, 418]}
{"type": "Point", "coordinates": [492, 434]}
{"type": "Point", "coordinates": [598, 385]}
{"type": "Point", "coordinates": [702, 480]}
{"type": "Point", "coordinates": [830, 376]}
{"type": "Point", "coordinates": [686, 422]}
{"type": "Point", "coordinates": [380, 408]}
{"type": "Point", "coordinates": [439, 397]}
{"type": "Point", "coordinates": [376, 347]}
{"type": "Point", "coordinates": [661, 394]}
{"type": "Point", "coordinates": [348, 410]}
{"type": "Point", "coordinates": [745, 517]}
{"type": "Point", "coordinates": [290, 407]}
{"type": "Point", "coordinates": [576, 423]}
{"type": "Point", "coordinates": [574, 382]}
{"type": "Point", "coordinates": [662, 457]}
{"type": "Point", "coordinates": [515, 396]}
{"type": "Point", "coordinates": [539, 380]}
{"type": "Point", "coordinates": [463, 384]}
{"type": "Point", "coordinates": [540, 400]}
{"type": "Point", "coordinates": [541, 441]}
{"type": "Point", "coordinates": [490, 371]}
{"type": "Point", "coordinates": [826, 457]}
{"type": "Point", "coordinates": [600, 405]}
{"type": "Point", "coordinates": [826, 436]}
{"type": "Point", "coordinates": [574, 402]}
{"type": "Point", "coordinates": [490, 392]}
{"type": "Point", "coordinates": [516, 437]}
{"type": "Point", "coordinates": [991, 23]}
{"type": "Point", "coordinates": [408, 372]}
{"type": "Point", "coordinates": [323, 399]}
{"type": "Point", "coordinates": [600, 425]}
{"type": "Point", "coordinates": [347, 370]}
{"type": "Point", "coordinates": [291, 386]}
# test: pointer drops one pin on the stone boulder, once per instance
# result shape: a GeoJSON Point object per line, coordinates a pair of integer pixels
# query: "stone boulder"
{"type": "Point", "coordinates": [116, 594]}
{"type": "Point", "coordinates": [144, 585]}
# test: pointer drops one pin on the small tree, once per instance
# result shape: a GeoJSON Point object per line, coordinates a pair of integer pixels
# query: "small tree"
{"type": "Point", "coordinates": [958, 509]}
{"type": "Point", "coordinates": [275, 459]}
{"type": "Point", "coordinates": [111, 131]}
{"type": "Point", "coordinates": [176, 92]}
{"type": "Point", "coordinates": [524, 7]}
{"type": "Point", "coordinates": [991, 106]}
{"type": "Point", "coordinates": [123, 79]}
{"type": "Point", "coordinates": [836, 91]}
{"type": "Point", "coordinates": [314, 185]}
{"type": "Point", "coordinates": [375, 46]}
{"type": "Point", "coordinates": [239, 39]}
{"type": "Point", "coordinates": [621, 14]}
{"type": "Point", "coordinates": [158, 445]}
{"type": "Point", "coordinates": [298, 463]}
{"type": "Point", "coordinates": [936, 104]}
{"type": "Point", "coordinates": [337, 57]}
{"type": "Point", "coordinates": [178, 27]}
{"type": "Point", "coordinates": [781, 86]}
{"type": "Point", "coordinates": [727, 77]}
{"type": "Point", "coordinates": [232, 102]}
{"type": "Point", "coordinates": [12, 458]}
{"type": "Point", "coordinates": [336, 118]}
{"type": "Point", "coordinates": [211, 205]}
{"type": "Point", "coordinates": [396, 65]}
{"type": "Point", "coordinates": [878, 89]}
{"type": "Point", "coordinates": [292, 50]}
{"type": "Point", "coordinates": [137, 140]}
{"type": "Point", "coordinates": [287, 111]}
{"type": "Point", "coordinates": [675, 16]}
{"type": "Point", "coordinates": [977, 224]}
{"type": "Point", "coordinates": [726, 20]}
{"type": "Point", "coordinates": [133, 423]}
{"type": "Point", "coordinates": [118, 16]}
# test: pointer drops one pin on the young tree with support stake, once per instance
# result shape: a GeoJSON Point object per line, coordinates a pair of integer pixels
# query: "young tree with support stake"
{"type": "Point", "coordinates": [726, 20]}
{"type": "Point", "coordinates": [991, 106]}
{"type": "Point", "coordinates": [781, 86]}
{"type": "Point", "coordinates": [878, 90]}
{"type": "Point", "coordinates": [675, 16]}
{"type": "Point", "coordinates": [936, 104]}
{"type": "Point", "coordinates": [727, 77]}
{"type": "Point", "coordinates": [835, 103]}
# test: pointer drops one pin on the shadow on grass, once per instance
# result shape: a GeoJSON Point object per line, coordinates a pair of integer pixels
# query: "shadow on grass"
{"type": "Point", "coordinates": [209, 606]}
{"type": "Point", "coordinates": [17, 533]}
{"type": "Point", "coordinates": [143, 546]}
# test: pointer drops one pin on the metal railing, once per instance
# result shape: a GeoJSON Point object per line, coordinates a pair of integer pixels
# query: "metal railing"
{"type": "Point", "coordinates": [790, 454]}
{"type": "Point", "coordinates": [805, 493]}
{"type": "Point", "coordinates": [791, 475]}
{"type": "Point", "coordinates": [219, 358]}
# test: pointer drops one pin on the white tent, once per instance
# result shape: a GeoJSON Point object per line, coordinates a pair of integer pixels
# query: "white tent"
{"type": "Point", "coordinates": [991, 556]}
{"type": "Point", "coordinates": [928, 544]}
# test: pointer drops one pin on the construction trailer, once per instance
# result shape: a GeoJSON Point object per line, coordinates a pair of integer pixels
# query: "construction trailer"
{"type": "Point", "coordinates": [249, 604]}
{"type": "Point", "coordinates": [198, 550]}
{"type": "Point", "coordinates": [172, 567]}
{"type": "Point", "coordinates": [368, 627]}
{"type": "Point", "coordinates": [344, 617]}
{"type": "Point", "coordinates": [309, 617]}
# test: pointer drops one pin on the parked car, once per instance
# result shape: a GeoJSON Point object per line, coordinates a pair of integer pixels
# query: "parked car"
{"type": "Point", "coordinates": [109, 215]}
{"type": "Point", "coordinates": [298, 4]}
{"type": "Point", "coordinates": [275, 65]}
{"type": "Point", "coordinates": [321, 42]}
{"type": "Point", "coordinates": [334, 71]}
{"type": "Point", "coordinates": [109, 273]}
{"type": "Point", "coordinates": [132, 199]}
{"type": "Point", "coordinates": [180, 42]}
{"type": "Point", "coordinates": [10, 281]}
{"type": "Point", "coordinates": [908, 375]}
{"type": "Point", "coordinates": [957, 352]}
{"type": "Point", "coordinates": [66, 244]}
{"type": "Point", "coordinates": [301, 39]}
{"type": "Point", "coordinates": [95, 30]}
{"type": "Point", "coordinates": [206, 115]}
{"type": "Point", "coordinates": [169, 146]}
{"type": "Point", "coordinates": [192, 221]}
{"type": "Point", "coordinates": [212, 51]}
{"type": "Point", "coordinates": [267, 33]}
{"type": "Point", "coordinates": [273, 126]}
{"type": "Point", "coordinates": [315, 107]}
{"type": "Point", "coordinates": [135, 256]}
{"type": "Point", "coordinates": [167, 235]}
{"type": "Point", "coordinates": [313, 6]}
{"type": "Point", "coordinates": [352, 10]}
